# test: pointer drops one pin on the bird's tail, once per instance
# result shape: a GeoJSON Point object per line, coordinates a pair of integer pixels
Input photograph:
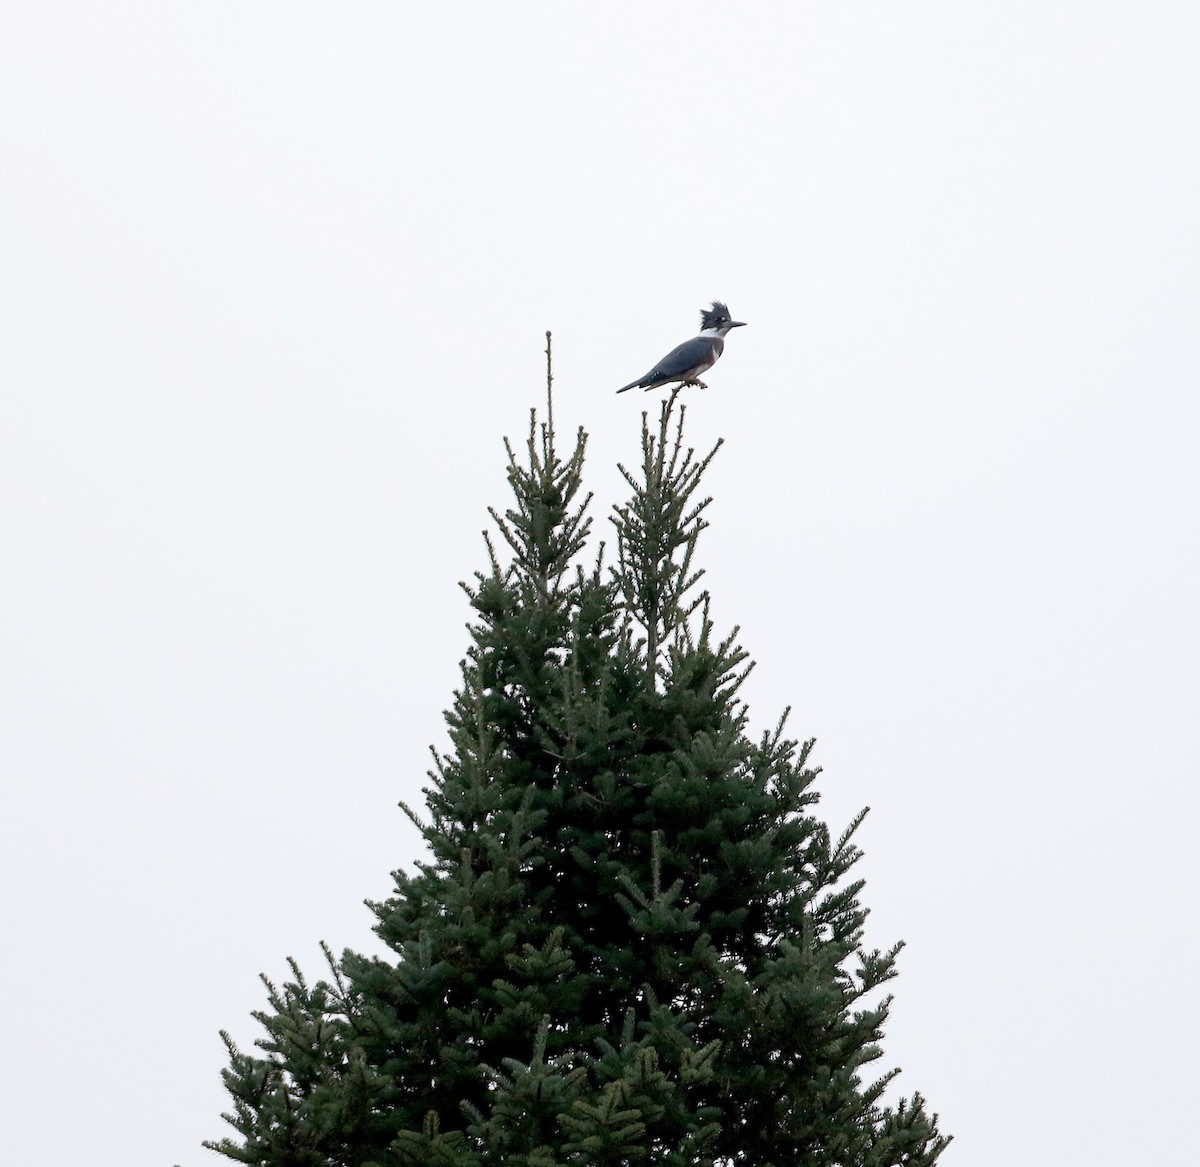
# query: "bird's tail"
{"type": "Point", "coordinates": [631, 385]}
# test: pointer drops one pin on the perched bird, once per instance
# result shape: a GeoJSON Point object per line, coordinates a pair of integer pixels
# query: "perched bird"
{"type": "Point", "coordinates": [685, 363]}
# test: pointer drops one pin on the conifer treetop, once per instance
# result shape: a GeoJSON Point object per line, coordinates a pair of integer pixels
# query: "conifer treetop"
{"type": "Point", "coordinates": [632, 940]}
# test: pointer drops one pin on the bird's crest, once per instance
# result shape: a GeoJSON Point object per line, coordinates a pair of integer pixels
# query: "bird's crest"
{"type": "Point", "coordinates": [715, 316]}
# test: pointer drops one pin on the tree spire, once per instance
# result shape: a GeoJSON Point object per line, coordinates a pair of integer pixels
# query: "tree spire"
{"type": "Point", "coordinates": [657, 532]}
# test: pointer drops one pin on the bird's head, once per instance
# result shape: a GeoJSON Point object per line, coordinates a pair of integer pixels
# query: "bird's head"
{"type": "Point", "coordinates": [717, 319]}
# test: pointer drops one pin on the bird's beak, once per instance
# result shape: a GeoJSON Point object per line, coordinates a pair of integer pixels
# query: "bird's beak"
{"type": "Point", "coordinates": [737, 324]}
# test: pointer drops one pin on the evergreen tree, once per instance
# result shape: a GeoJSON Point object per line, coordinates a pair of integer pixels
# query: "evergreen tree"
{"type": "Point", "coordinates": [633, 941]}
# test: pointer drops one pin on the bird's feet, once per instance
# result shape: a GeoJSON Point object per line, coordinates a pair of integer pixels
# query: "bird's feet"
{"type": "Point", "coordinates": [698, 384]}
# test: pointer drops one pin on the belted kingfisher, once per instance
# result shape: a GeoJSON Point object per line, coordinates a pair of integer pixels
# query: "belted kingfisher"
{"type": "Point", "coordinates": [685, 363]}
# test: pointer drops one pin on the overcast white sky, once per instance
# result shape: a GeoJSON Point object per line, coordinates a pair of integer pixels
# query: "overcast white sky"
{"type": "Point", "coordinates": [274, 280]}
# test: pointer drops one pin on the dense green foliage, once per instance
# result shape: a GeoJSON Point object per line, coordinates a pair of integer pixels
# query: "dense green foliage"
{"type": "Point", "coordinates": [633, 941]}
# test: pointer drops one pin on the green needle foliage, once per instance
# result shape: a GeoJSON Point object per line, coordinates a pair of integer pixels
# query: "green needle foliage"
{"type": "Point", "coordinates": [633, 942]}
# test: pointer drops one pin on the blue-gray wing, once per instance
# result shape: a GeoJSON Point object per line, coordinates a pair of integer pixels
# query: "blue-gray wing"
{"type": "Point", "coordinates": [692, 354]}
{"type": "Point", "coordinates": [685, 360]}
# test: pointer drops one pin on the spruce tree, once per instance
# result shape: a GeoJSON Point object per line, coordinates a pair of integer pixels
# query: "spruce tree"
{"type": "Point", "coordinates": [633, 941]}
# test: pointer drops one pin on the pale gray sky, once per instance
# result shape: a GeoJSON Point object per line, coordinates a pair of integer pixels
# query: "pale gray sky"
{"type": "Point", "coordinates": [274, 280]}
